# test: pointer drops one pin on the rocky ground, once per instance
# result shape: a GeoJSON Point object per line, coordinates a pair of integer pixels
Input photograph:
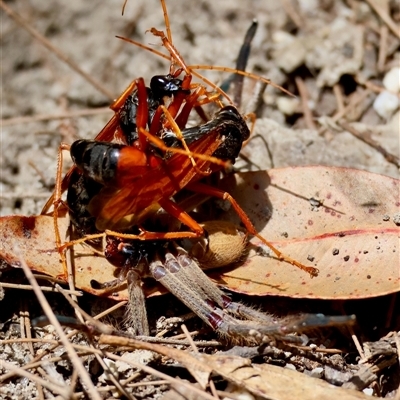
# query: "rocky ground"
{"type": "Point", "coordinates": [340, 58]}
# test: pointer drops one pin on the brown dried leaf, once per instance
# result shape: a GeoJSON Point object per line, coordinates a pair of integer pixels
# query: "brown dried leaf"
{"type": "Point", "coordinates": [276, 383]}
{"type": "Point", "coordinates": [266, 381]}
{"type": "Point", "coordinates": [35, 239]}
{"type": "Point", "coordinates": [349, 219]}
{"type": "Point", "coordinates": [345, 234]}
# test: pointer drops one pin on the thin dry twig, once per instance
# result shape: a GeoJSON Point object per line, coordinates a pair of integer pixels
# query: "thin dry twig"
{"type": "Point", "coordinates": [356, 342]}
{"type": "Point", "coordinates": [385, 17]}
{"type": "Point", "coordinates": [62, 390]}
{"type": "Point", "coordinates": [304, 103]}
{"type": "Point", "coordinates": [84, 376]}
{"type": "Point", "coordinates": [355, 101]}
{"type": "Point", "coordinates": [189, 338]}
{"type": "Point", "coordinates": [173, 353]}
{"type": "Point", "coordinates": [366, 138]}
{"type": "Point", "coordinates": [45, 42]}
{"type": "Point", "coordinates": [293, 13]}
{"type": "Point", "coordinates": [383, 40]}
{"type": "Point", "coordinates": [196, 392]}
{"type": "Point", "coordinates": [42, 288]}
{"type": "Point", "coordinates": [337, 91]}
{"type": "Point", "coordinates": [50, 117]}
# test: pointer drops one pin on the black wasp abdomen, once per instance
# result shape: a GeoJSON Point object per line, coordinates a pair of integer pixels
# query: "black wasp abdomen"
{"type": "Point", "coordinates": [97, 160]}
{"type": "Point", "coordinates": [81, 191]}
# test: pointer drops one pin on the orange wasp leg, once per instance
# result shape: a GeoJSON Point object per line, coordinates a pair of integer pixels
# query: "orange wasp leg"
{"type": "Point", "coordinates": [190, 154]}
{"type": "Point", "coordinates": [171, 208]}
{"type": "Point", "coordinates": [214, 192]}
{"type": "Point", "coordinates": [176, 211]}
{"type": "Point", "coordinates": [162, 146]}
{"type": "Point", "coordinates": [122, 98]}
{"type": "Point", "coordinates": [142, 113]}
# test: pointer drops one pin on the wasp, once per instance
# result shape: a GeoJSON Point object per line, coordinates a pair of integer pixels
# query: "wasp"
{"type": "Point", "coordinates": [137, 165]}
{"type": "Point", "coordinates": [129, 183]}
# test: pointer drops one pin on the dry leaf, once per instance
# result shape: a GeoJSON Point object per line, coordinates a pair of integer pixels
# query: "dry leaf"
{"type": "Point", "coordinates": [276, 383]}
{"type": "Point", "coordinates": [335, 216]}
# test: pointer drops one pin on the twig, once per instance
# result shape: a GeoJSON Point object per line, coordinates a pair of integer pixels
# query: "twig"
{"type": "Point", "coordinates": [75, 360]}
{"type": "Point", "coordinates": [384, 32]}
{"type": "Point", "coordinates": [42, 288]}
{"type": "Point", "coordinates": [304, 103]}
{"type": "Point", "coordinates": [337, 91]}
{"type": "Point", "coordinates": [355, 101]}
{"type": "Point", "coordinates": [199, 394]}
{"type": "Point", "coordinates": [385, 17]}
{"type": "Point", "coordinates": [45, 42]}
{"type": "Point", "coordinates": [366, 138]}
{"type": "Point", "coordinates": [292, 13]}
{"type": "Point", "coordinates": [373, 87]}
{"type": "Point", "coordinates": [50, 117]}
{"type": "Point", "coordinates": [214, 389]}
{"type": "Point", "coordinates": [53, 386]}
{"type": "Point", "coordinates": [356, 342]}
{"type": "Point", "coordinates": [189, 338]}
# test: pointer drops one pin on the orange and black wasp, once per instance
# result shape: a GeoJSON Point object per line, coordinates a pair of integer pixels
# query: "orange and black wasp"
{"type": "Point", "coordinates": [136, 181]}
{"type": "Point", "coordinates": [117, 188]}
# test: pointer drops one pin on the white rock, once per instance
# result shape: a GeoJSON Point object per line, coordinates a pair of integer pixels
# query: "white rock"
{"type": "Point", "coordinates": [368, 391]}
{"type": "Point", "coordinates": [287, 105]}
{"type": "Point", "coordinates": [386, 104]}
{"type": "Point", "coordinates": [308, 5]}
{"type": "Point", "coordinates": [282, 37]}
{"type": "Point", "coordinates": [391, 81]}
{"type": "Point", "coordinates": [317, 372]}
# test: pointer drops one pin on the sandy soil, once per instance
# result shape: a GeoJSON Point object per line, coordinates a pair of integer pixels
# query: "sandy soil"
{"type": "Point", "coordinates": [36, 83]}
{"type": "Point", "coordinates": [332, 47]}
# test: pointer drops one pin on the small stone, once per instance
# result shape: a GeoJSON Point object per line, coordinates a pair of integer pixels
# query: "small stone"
{"type": "Point", "coordinates": [288, 105]}
{"type": "Point", "coordinates": [386, 217]}
{"type": "Point", "coordinates": [317, 372]}
{"type": "Point", "coordinates": [335, 252]}
{"type": "Point", "coordinates": [386, 104]}
{"type": "Point", "coordinates": [396, 219]}
{"type": "Point", "coordinates": [391, 81]}
{"type": "Point", "coordinates": [368, 391]}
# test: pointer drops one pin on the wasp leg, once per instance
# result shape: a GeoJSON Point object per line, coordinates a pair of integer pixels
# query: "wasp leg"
{"type": "Point", "coordinates": [215, 192]}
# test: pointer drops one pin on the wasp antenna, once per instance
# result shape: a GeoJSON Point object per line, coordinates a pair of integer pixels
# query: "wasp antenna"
{"type": "Point", "coordinates": [213, 85]}
{"type": "Point", "coordinates": [144, 47]}
{"type": "Point", "coordinates": [166, 20]}
{"type": "Point", "coordinates": [172, 50]}
{"type": "Point", "coordinates": [244, 73]}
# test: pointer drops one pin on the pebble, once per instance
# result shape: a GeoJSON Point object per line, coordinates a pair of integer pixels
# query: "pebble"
{"type": "Point", "coordinates": [391, 81]}
{"type": "Point", "coordinates": [386, 104]}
